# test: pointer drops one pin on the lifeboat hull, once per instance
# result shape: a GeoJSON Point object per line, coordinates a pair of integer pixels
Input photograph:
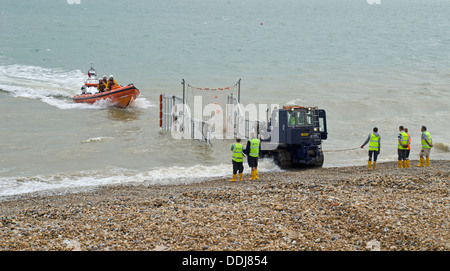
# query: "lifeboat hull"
{"type": "Point", "coordinates": [120, 97]}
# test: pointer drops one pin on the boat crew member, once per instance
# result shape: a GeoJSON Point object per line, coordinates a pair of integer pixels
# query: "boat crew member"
{"type": "Point", "coordinates": [409, 147]}
{"type": "Point", "coordinates": [238, 159]}
{"type": "Point", "coordinates": [402, 147]}
{"type": "Point", "coordinates": [374, 147]}
{"type": "Point", "coordinates": [252, 152]}
{"type": "Point", "coordinates": [101, 86]}
{"type": "Point", "coordinates": [426, 147]}
{"type": "Point", "coordinates": [111, 82]}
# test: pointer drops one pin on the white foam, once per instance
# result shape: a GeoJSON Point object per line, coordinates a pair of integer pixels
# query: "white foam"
{"type": "Point", "coordinates": [34, 77]}
{"type": "Point", "coordinates": [95, 139]}
{"type": "Point", "coordinates": [65, 182]}
{"type": "Point", "coordinates": [441, 146]}
{"type": "Point", "coordinates": [52, 86]}
{"type": "Point", "coordinates": [142, 103]}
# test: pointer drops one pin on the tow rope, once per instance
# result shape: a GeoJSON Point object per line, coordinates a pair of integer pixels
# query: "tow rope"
{"type": "Point", "coordinates": [343, 150]}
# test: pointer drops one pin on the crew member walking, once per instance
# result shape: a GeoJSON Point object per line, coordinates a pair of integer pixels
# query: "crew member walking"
{"type": "Point", "coordinates": [238, 159]}
{"type": "Point", "coordinates": [374, 147]}
{"type": "Point", "coordinates": [426, 147]}
{"type": "Point", "coordinates": [402, 147]}
{"type": "Point", "coordinates": [252, 150]}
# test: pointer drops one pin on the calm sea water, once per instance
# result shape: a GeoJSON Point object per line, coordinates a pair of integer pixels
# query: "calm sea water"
{"type": "Point", "coordinates": [368, 65]}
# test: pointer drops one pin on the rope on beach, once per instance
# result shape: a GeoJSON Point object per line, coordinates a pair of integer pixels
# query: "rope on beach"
{"type": "Point", "coordinates": [343, 150]}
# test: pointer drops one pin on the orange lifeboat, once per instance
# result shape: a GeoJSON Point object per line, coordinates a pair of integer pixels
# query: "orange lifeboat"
{"type": "Point", "coordinates": [119, 96]}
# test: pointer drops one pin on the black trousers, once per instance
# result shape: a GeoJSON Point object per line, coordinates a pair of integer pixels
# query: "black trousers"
{"type": "Point", "coordinates": [401, 155]}
{"type": "Point", "coordinates": [252, 161]}
{"type": "Point", "coordinates": [238, 166]}
{"type": "Point", "coordinates": [375, 155]}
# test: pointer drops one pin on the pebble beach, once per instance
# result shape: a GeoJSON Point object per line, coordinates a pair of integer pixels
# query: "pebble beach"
{"type": "Point", "coordinates": [321, 209]}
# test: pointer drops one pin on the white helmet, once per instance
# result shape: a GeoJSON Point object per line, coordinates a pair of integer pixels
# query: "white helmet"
{"type": "Point", "coordinates": [111, 76]}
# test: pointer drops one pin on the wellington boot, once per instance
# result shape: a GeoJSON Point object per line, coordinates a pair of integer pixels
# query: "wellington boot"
{"type": "Point", "coordinates": [404, 163]}
{"type": "Point", "coordinates": [374, 164]}
{"type": "Point", "coordinates": [234, 178]}
{"type": "Point", "coordinates": [399, 164]}
{"type": "Point", "coordinates": [240, 177]}
{"type": "Point", "coordinates": [407, 163]}
{"type": "Point", "coordinates": [253, 175]}
{"type": "Point", "coordinates": [420, 162]}
{"type": "Point", "coordinates": [256, 174]}
{"type": "Point", "coordinates": [369, 164]}
{"type": "Point", "coordinates": [427, 162]}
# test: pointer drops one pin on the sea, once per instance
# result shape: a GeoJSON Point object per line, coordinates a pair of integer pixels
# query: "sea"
{"type": "Point", "coordinates": [368, 63]}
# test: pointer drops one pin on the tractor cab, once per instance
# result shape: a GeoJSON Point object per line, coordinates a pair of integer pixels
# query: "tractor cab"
{"type": "Point", "coordinates": [294, 136]}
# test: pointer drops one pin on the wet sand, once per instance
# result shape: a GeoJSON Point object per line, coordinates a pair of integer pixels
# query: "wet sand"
{"type": "Point", "coordinates": [344, 209]}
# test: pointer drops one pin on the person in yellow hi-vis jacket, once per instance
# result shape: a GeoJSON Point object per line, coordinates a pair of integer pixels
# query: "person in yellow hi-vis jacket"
{"type": "Point", "coordinates": [402, 147]}
{"type": "Point", "coordinates": [238, 159]}
{"type": "Point", "coordinates": [427, 144]}
{"type": "Point", "coordinates": [409, 147]}
{"type": "Point", "coordinates": [252, 152]}
{"type": "Point", "coordinates": [374, 147]}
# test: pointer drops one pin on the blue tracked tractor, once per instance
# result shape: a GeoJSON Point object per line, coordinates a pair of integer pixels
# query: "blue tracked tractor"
{"type": "Point", "coordinates": [294, 136]}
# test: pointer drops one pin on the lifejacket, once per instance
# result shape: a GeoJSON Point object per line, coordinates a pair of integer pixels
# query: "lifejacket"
{"type": "Point", "coordinates": [111, 83]}
{"type": "Point", "coordinates": [238, 154]}
{"type": "Point", "coordinates": [373, 143]}
{"type": "Point", "coordinates": [101, 86]}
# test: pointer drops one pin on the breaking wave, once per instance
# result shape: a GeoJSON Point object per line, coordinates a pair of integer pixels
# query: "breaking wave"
{"type": "Point", "coordinates": [442, 147]}
{"type": "Point", "coordinates": [80, 181]}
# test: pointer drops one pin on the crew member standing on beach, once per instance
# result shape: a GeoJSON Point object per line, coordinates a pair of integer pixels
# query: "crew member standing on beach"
{"type": "Point", "coordinates": [402, 147]}
{"type": "Point", "coordinates": [409, 147]}
{"type": "Point", "coordinates": [252, 152]}
{"type": "Point", "coordinates": [426, 147]}
{"type": "Point", "coordinates": [238, 159]}
{"type": "Point", "coordinates": [374, 147]}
